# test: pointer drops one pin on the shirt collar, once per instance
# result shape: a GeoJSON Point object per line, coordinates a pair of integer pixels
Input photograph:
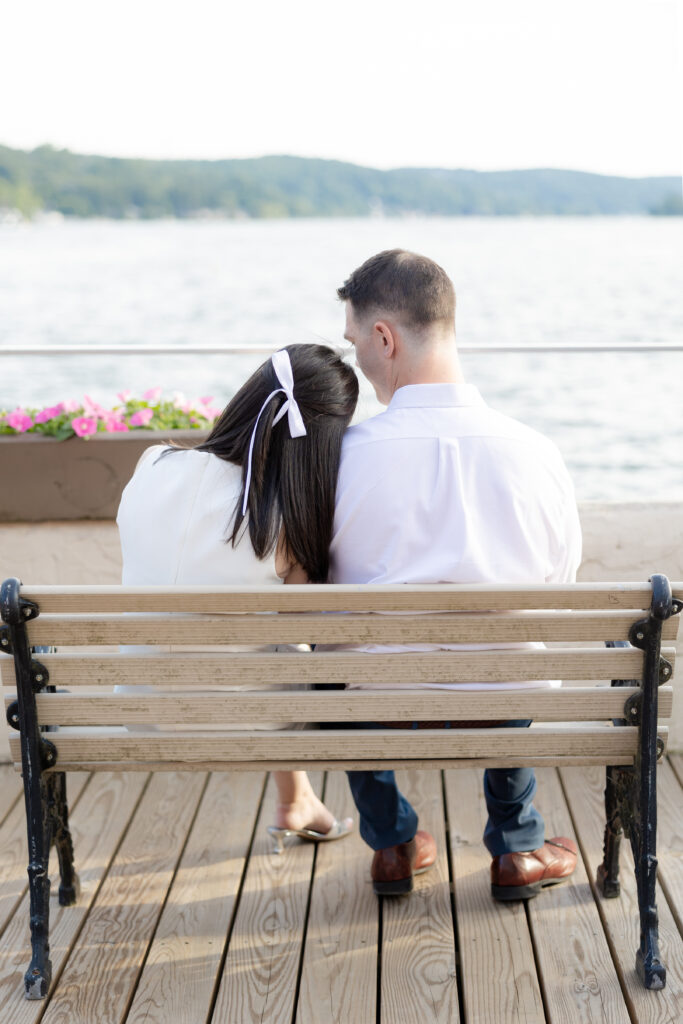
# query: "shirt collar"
{"type": "Point", "coordinates": [420, 396]}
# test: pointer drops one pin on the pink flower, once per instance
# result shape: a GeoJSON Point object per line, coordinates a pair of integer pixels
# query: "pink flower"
{"type": "Point", "coordinates": [211, 413]}
{"type": "Point", "coordinates": [141, 418]}
{"type": "Point", "coordinates": [123, 396]}
{"type": "Point", "coordinates": [19, 421]}
{"type": "Point", "coordinates": [69, 406]}
{"type": "Point", "coordinates": [152, 395]}
{"type": "Point", "coordinates": [206, 400]}
{"type": "Point", "coordinates": [114, 426]}
{"type": "Point", "coordinates": [93, 408]}
{"type": "Point", "coordinates": [50, 412]}
{"type": "Point", "coordinates": [84, 425]}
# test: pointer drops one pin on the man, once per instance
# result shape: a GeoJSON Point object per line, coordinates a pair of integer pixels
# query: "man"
{"type": "Point", "coordinates": [441, 488]}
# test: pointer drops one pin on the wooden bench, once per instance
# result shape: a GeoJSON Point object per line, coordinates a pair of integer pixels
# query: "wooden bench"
{"type": "Point", "coordinates": [70, 718]}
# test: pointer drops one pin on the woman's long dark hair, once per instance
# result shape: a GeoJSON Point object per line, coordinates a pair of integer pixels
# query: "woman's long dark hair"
{"type": "Point", "coordinates": [293, 480]}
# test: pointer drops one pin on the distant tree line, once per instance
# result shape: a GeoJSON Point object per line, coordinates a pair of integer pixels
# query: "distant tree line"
{"type": "Point", "coordinates": [47, 179]}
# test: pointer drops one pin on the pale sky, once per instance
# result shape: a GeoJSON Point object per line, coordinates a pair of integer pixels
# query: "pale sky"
{"type": "Point", "coordinates": [595, 85]}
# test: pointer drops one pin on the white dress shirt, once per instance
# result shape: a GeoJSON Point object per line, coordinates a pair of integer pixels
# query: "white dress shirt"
{"type": "Point", "coordinates": [440, 488]}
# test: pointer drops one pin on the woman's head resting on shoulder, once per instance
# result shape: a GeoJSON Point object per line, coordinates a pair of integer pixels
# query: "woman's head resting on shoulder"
{"type": "Point", "coordinates": [293, 479]}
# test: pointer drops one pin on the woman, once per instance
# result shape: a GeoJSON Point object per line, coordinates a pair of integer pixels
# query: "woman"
{"type": "Point", "coordinates": [253, 504]}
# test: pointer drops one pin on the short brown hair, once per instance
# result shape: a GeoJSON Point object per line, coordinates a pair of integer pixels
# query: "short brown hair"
{"type": "Point", "coordinates": [402, 282]}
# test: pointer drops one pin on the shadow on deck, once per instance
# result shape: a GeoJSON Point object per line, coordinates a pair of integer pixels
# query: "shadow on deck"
{"type": "Point", "coordinates": [187, 917]}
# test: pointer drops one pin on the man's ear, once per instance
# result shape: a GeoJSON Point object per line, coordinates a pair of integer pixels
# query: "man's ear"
{"type": "Point", "coordinates": [386, 337]}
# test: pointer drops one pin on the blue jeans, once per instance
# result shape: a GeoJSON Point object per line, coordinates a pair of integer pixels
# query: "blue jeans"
{"type": "Point", "coordinates": [386, 817]}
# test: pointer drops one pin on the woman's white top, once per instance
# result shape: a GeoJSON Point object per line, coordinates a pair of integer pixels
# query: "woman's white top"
{"type": "Point", "coordinates": [174, 517]}
{"type": "Point", "coordinates": [173, 520]}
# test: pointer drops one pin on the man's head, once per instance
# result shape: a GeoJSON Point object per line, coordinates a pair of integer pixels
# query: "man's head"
{"type": "Point", "coordinates": [400, 316]}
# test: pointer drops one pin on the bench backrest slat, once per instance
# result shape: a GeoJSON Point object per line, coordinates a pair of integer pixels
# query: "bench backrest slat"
{"type": "Point", "coordinates": [199, 670]}
{"type": "Point", "coordinates": [415, 597]}
{"type": "Point", "coordinates": [504, 627]}
{"type": "Point", "coordinates": [602, 742]}
{"type": "Point", "coordinates": [569, 704]}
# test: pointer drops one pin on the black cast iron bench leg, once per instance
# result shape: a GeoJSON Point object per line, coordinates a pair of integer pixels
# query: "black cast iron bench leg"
{"type": "Point", "coordinates": [39, 974]}
{"type": "Point", "coordinates": [37, 754]}
{"type": "Point", "coordinates": [631, 793]}
{"type": "Point", "coordinates": [69, 886]}
{"type": "Point", "coordinates": [608, 872]}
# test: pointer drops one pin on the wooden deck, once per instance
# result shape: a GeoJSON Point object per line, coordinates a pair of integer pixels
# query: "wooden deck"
{"type": "Point", "coordinates": [186, 917]}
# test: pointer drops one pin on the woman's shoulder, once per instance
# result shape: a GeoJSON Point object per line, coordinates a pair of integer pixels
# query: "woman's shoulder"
{"type": "Point", "coordinates": [190, 459]}
{"type": "Point", "coordinates": [149, 455]}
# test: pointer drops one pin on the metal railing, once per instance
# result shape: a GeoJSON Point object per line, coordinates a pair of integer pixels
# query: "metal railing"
{"type": "Point", "coordinates": [185, 350]}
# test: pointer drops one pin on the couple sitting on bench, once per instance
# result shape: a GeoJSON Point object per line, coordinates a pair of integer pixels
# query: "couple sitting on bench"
{"type": "Point", "coordinates": [439, 488]}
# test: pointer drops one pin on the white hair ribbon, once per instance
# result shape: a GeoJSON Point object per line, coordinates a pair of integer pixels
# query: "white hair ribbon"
{"type": "Point", "coordinates": [283, 371]}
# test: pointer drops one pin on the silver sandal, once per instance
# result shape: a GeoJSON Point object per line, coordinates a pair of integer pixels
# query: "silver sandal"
{"type": "Point", "coordinates": [337, 830]}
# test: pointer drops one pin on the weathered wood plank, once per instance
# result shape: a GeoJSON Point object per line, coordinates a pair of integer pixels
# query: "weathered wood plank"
{"type": "Point", "coordinates": [670, 839]}
{"type": "Point", "coordinates": [575, 704]}
{"type": "Point", "coordinates": [496, 953]}
{"type": "Point", "coordinates": [98, 980]}
{"type": "Point", "coordinates": [676, 762]}
{"type": "Point", "coordinates": [98, 822]}
{"type": "Point", "coordinates": [202, 670]}
{"type": "Point", "coordinates": [572, 955]}
{"type": "Point", "coordinates": [584, 789]}
{"type": "Point", "coordinates": [339, 970]}
{"type": "Point", "coordinates": [259, 978]}
{"type": "Point", "coordinates": [123, 748]}
{"type": "Point", "coordinates": [179, 975]}
{"type": "Point", "coordinates": [504, 627]}
{"type": "Point", "coordinates": [11, 790]}
{"type": "Point", "coordinates": [428, 764]}
{"type": "Point", "coordinates": [14, 850]}
{"type": "Point", "coordinates": [340, 597]}
{"type": "Point", "coordinates": [419, 981]}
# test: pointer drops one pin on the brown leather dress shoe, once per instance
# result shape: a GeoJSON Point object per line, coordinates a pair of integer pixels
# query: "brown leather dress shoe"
{"type": "Point", "coordinates": [519, 876]}
{"type": "Point", "coordinates": [393, 868]}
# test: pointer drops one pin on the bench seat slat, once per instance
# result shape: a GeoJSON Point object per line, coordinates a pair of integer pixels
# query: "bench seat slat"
{"type": "Point", "coordinates": [346, 744]}
{"type": "Point", "coordinates": [563, 761]}
{"type": "Point", "coordinates": [339, 597]}
{"type": "Point", "coordinates": [570, 703]}
{"type": "Point", "coordinates": [204, 670]}
{"type": "Point", "coordinates": [507, 627]}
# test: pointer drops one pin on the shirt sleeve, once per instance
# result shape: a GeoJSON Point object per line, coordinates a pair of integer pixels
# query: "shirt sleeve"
{"type": "Point", "coordinates": [568, 539]}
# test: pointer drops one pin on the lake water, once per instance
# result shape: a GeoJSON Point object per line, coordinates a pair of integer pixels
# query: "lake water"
{"type": "Point", "coordinates": [617, 417]}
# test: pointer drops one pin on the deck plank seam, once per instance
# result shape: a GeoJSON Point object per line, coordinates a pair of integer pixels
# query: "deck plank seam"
{"type": "Point", "coordinates": [677, 770]}
{"type": "Point", "coordinates": [238, 898]}
{"type": "Point", "coordinates": [307, 912]}
{"type": "Point", "coordinates": [150, 941]}
{"type": "Point", "coordinates": [451, 892]}
{"type": "Point", "coordinates": [380, 937]}
{"type": "Point", "coordinates": [537, 966]}
{"type": "Point", "coordinates": [11, 807]}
